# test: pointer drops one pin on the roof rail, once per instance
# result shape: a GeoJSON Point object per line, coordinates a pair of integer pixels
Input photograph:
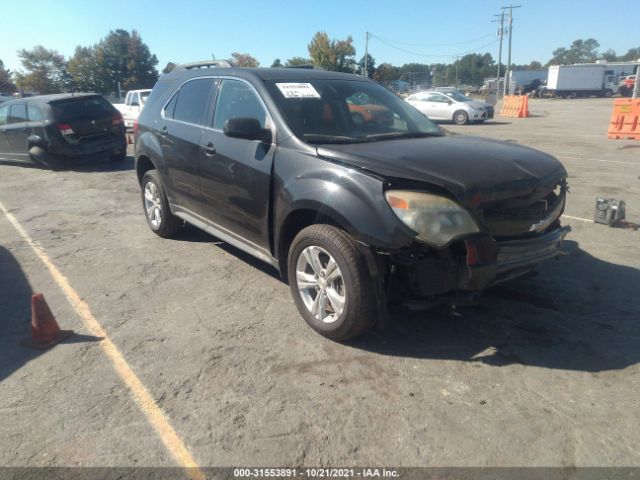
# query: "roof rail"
{"type": "Point", "coordinates": [306, 67]}
{"type": "Point", "coordinates": [203, 64]}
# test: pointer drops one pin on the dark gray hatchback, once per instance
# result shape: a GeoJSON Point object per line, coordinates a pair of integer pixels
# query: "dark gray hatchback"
{"type": "Point", "coordinates": [352, 194]}
{"type": "Point", "coordinates": [61, 127]}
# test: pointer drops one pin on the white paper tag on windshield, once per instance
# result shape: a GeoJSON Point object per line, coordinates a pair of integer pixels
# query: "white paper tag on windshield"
{"type": "Point", "coordinates": [298, 90]}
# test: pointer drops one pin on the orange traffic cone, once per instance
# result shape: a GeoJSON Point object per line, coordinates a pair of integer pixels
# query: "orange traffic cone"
{"type": "Point", "coordinates": [45, 332]}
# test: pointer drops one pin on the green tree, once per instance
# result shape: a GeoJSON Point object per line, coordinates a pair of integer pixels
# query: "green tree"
{"type": "Point", "coordinates": [123, 58]}
{"type": "Point", "coordinates": [276, 63]}
{"type": "Point", "coordinates": [609, 55]}
{"type": "Point", "coordinates": [45, 71]}
{"type": "Point", "coordinates": [322, 52]}
{"type": "Point", "coordinates": [244, 60]}
{"type": "Point", "coordinates": [335, 55]}
{"type": "Point", "coordinates": [6, 82]}
{"type": "Point", "coordinates": [344, 54]}
{"type": "Point", "coordinates": [371, 65]}
{"type": "Point", "coordinates": [81, 70]}
{"type": "Point", "coordinates": [168, 67]}
{"type": "Point", "coordinates": [386, 73]}
{"type": "Point", "coordinates": [632, 55]}
{"type": "Point", "coordinates": [297, 61]}
{"type": "Point", "coordinates": [580, 51]}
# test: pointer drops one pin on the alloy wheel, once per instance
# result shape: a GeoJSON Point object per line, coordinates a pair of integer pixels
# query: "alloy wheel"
{"type": "Point", "coordinates": [153, 204]}
{"type": "Point", "coordinates": [320, 283]}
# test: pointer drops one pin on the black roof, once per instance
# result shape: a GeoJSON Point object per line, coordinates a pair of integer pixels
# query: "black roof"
{"type": "Point", "coordinates": [53, 97]}
{"type": "Point", "coordinates": [287, 74]}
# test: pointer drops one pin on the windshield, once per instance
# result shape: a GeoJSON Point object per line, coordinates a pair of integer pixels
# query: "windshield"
{"type": "Point", "coordinates": [458, 97]}
{"type": "Point", "coordinates": [347, 111]}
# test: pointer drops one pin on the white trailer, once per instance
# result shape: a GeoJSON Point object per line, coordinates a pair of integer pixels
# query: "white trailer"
{"type": "Point", "coordinates": [582, 80]}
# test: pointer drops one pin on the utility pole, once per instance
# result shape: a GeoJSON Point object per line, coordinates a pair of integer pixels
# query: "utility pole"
{"type": "Point", "coordinates": [636, 86]}
{"type": "Point", "coordinates": [501, 33]}
{"type": "Point", "coordinates": [457, 58]}
{"type": "Point", "coordinates": [365, 71]}
{"type": "Point", "coordinates": [506, 75]}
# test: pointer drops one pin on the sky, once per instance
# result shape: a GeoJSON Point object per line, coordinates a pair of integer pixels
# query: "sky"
{"type": "Point", "coordinates": [404, 31]}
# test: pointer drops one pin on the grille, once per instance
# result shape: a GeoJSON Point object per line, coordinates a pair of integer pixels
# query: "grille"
{"type": "Point", "coordinates": [524, 216]}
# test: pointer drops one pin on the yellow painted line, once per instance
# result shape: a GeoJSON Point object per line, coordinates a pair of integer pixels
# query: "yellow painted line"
{"type": "Point", "coordinates": [143, 398]}
{"type": "Point", "coordinates": [578, 218]}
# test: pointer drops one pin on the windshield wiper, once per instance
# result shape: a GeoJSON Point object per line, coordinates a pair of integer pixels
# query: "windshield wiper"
{"type": "Point", "coordinates": [395, 135]}
{"type": "Point", "coordinates": [319, 138]}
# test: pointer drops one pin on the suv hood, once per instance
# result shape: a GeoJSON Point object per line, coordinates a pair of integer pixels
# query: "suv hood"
{"type": "Point", "coordinates": [475, 170]}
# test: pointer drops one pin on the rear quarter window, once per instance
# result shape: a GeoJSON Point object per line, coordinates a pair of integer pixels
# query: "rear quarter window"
{"type": "Point", "coordinates": [35, 113]}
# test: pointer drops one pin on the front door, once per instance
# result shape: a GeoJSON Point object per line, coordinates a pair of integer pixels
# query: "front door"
{"type": "Point", "coordinates": [4, 143]}
{"type": "Point", "coordinates": [236, 173]}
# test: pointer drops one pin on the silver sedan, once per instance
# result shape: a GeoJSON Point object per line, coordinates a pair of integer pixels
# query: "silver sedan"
{"type": "Point", "coordinates": [450, 106]}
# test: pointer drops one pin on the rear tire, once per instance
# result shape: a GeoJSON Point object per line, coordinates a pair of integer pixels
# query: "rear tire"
{"type": "Point", "coordinates": [460, 117]}
{"type": "Point", "coordinates": [156, 206]}
{"type": "Point", "coordinates": [330, 283]}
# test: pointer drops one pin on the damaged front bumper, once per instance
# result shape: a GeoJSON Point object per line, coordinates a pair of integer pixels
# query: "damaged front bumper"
{"type": "Point", "coordinates": [459, 275]}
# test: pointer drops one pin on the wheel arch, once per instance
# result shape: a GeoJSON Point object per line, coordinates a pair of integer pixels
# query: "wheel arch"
{"type": "Point", "coordinates": [297, 220]}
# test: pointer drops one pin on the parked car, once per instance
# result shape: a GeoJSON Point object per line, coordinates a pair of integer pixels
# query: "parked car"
{"type": "Point", "coordinates": [61, 127]}
{"type": "Point", "coordinates": [132, 106]}
{"type": "Point", "coordinates": [353, 214]}
{"type": "Point", "coordinates": [451, 106]}
{"type": "Point", "coordinates": [364, 110]}
{"type": "Point", "coordinates": [529, 87]}
{"type": "Point", "coordinates": [5, 98]}
{"type": "Point", "coordinates": [626, 85]}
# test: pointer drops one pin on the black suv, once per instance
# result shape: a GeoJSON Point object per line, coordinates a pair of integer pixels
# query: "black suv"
{"type": "Point", "coordinates": [353, 210]}
{"type": "Point", "coordinates": [61, 127]}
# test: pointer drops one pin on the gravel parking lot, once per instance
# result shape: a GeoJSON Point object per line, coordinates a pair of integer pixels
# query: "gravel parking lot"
{"type": "Point", "coordinates": [543, 373]}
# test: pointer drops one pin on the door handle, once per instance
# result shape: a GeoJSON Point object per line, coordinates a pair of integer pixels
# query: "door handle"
{"type": "Point", "coordinates": [209, 149]}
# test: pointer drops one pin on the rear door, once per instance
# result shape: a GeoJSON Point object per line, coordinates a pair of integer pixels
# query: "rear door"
{"type": "Point", "coordinates": [236, 173]}
{"type": "Point", "coordinates": [179, 130]}
{"type": "Point", "coordinates": [4, 119]}
{"type": "Point", "coordinates": [17, 130]}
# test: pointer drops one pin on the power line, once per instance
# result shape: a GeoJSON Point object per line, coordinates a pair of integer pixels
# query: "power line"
{"type": "Point", "coordinates": [428, 45]}
{"type": "Point", "coordinates": [371, 35]}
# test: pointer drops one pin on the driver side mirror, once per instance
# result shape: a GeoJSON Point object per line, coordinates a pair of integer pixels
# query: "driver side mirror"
{"type": "Point", "coordinates": [246, 128]}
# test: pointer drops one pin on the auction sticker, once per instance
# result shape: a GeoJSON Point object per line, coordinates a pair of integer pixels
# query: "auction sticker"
{"type": "Point", "coordinates": [298, 90]}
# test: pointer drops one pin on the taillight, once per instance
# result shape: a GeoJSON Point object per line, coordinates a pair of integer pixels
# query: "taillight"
{"type": "Point", "coordinates": [116, 120]}
{"type": "Point", "coordinates": [135, 127]}
{"type": "Point", "coordinates": [65, 129]}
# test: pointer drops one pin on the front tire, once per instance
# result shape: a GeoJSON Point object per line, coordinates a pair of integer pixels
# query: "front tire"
{"type": "Point", "coordinates": [156, 206]}
{"type": "Point", "coordinates": [330, 283]}
{"type": "Point", "coordinates": [460, 117]}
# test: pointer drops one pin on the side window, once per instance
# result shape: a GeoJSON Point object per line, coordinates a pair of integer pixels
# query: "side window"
{"type": "Point", "coordinates": [135, 99]}
{"type": "Point", "coordinates": [193, 101]}
{"type": "Point", "coordinates": [440, 98]}
{"type": "Point", "coordinates": [171, 106]}
{"type": "Point", "coordinates": [4, 114]}
{"type": "Point", "coordinates": [18, 113]}
{"type": "Point", "coordinates": [237, 99]}
{"type": "Point", "coordinates": [35, 114]}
